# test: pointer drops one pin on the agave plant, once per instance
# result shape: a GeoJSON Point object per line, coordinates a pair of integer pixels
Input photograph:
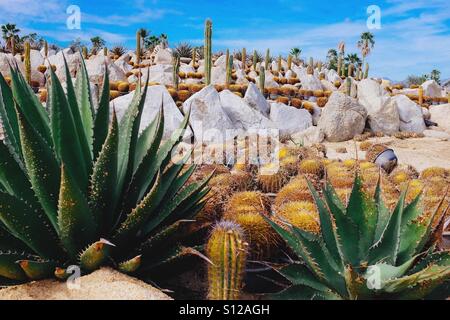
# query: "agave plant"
{"type": "Point", "coordinates": [118, 50]}
{"type": "Point", "coordinates": [79, 188]}
{"type": "Point", "coordinates": [364, 251]}
{"type": "Point", "coordinates": [183, 50]}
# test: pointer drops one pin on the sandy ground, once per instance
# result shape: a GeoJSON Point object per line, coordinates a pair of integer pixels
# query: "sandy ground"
{"type": "Point", "coordinates": [420, 153]}
{"type": "Point", "coordinates": [104, 284]}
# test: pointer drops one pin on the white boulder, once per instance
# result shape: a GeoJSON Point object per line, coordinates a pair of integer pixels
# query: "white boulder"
{"type": "Point", "coordinates": [256, 100]}
{"type": "Point", "coordinates": [96, 68]}
{"type": "Point", "coordinates": [289, 120]}
{"type": "Point", "coordinates": [432, 89]}
{"type": "Point", "coordinates": [441, 115]}
{"type": "Point", "coordinates": [411, 117]}
{"type": "Point", "coordinates": [382, 111]}
{"type": "Point", "coordinates": [342, 118]}
{"type": "Point", "coordinates": [163, 56]}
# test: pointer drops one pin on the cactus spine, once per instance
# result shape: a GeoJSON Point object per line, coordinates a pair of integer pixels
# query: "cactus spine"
{"type": "Point", "coordinates": [27, 62]}
{"type": "Point", "coordinates": [208, 51]}
{"type": "Point", "coordinates": [266, 65]}
{"type": "Point", "coordinates": [255, 60]}
{"type": "Point", "coordinates": [244, 59]}
{"type": "Point", "coordinates": [366, 72]}
{"type": "Point", "coordinates": [176, 70]}
{"type": "Point", "coordinates": [138, 48]}
{"type": "Point", "coordinates": [227, 251]}
{"type": "Point", "coordinates": [262, 79]}
{"type": "Point", "coordinates": [289, 62]}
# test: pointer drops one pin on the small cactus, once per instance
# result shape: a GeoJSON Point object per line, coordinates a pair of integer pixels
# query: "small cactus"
{"type": "Point", "coordinates": [208, 51]}
{"type": "Point", "coordinates": [339, 66]}
{"type": "Point", "coordinates": [46, 49]}
{"type": "Point", "coordinates": [227, 251]}
{"type": "Point", "coordinates": [84, 52]}
{"type": "Point", "coordinates": [227, 58]}
{"type": "Point", "coordinates": [244, 59]}
{"type": "Point", "coordinates": [27, 62]}
{"type": "Point", "coordinates": [255, 60]}
{"type": "Point", "coordinates": [105, 51]}
{"type": "Point", "coordinates": [348, 86]}
{"type": "Point", "coordinates": [194, 57]}
{"type": "Point", "coordinates": [13, 46]}
{"type": "Point", "coordinates": [279, 64]}
{"type": "Point", "coordinates": [420, 95]}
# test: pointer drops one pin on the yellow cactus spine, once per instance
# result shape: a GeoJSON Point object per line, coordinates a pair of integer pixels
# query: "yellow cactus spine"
{"type": "Point", "coordinates": [208, 51]}
{"type": "Point", "coordinates": [138, 48]}
{"type": "Point", "coordinates": [227, 251]}
{"type": "Point", "coordinates": [27, 62]}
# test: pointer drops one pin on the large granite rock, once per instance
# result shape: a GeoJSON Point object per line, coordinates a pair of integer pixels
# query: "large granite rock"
{"type": "Point", "coordinates": [289, 120]}
{"type": "Point", "coordinates": [441, 115]}
{"type": "Point", "coordinates": [256, 100]}
{"type": "Point", "coordinates": [411, 117]}
{"type": "Point", "coordinates": [342, 118]}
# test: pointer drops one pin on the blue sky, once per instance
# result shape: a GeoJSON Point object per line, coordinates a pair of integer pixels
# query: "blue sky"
{"type": "Point", "coordinates": [414, 37]}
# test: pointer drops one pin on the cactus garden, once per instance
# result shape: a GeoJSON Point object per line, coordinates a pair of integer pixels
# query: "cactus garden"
{"type": "Point", "coordinates": [202, 171]}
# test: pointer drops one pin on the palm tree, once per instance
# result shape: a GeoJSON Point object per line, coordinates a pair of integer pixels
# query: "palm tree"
{"type": "Point", "coordinates": [9, 32]}
{"type": "Point", "coordinates": [97, 44]}
{"type": "Point", "coordinates": [296, 52]}
{"type": "Point", "coordinates": [436, 76]}
{"type": "Point", "coordinates": [353, 58]}
{"type": "Point", "coordinates": [366, 44]}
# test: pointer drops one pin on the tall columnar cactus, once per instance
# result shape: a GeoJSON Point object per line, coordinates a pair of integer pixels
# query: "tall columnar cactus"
{"type": "Point", "coordinates": [289, 62]}
{"type": "Point", "coordinates": [350, 70]}
{"type": "Point", "coordinates": [348, 86]}
{"type": "Point", "coordinates": [244, 59]}
{"type": "Point", "coordinates": [279, 63]}
{"type": "Point", "coordinates": [229, 70]}
{"type": "Point", "coordinates": [341, 49]}
{"type": "Point", "coordinates": [267, 61]}
{"type": "Point", "coordinates": [255, 60]}
{"type": "Point", "coordinates": [45, 49]}
{"type": "Point", "coordinates": [27, 62]}
{"type": "Point", "coordinates": [194, 57]}
{"type": "Point", "coordinates": [420, 95]}
{"type": "Point", "coordinates": [176, 70]}
{"type": "Point", "coordinates": [366, 72]}
{"type": "Point", "coordinates": [13, 46]}
{"type": "Point", "coordinates": [339, 66]}
{"type": "Point", "coordinates": [319, 66]}
{"type": "Point", "coordinates": [228, 252]}
{"type": "Point", "coordinates": [84, 52]}
{"type": "Point", "coordinates": [208, 51]}
{"type": "Point", "coordinates": [311, 62]}
{"type": "Point", "coordinates": [227, 58]}
{"type": "Point", "coordinates": [105, 51]}
{"type": "Point", "coordinates": [262, 79]}
{"type": "Point", "coordinates": [138, 48]}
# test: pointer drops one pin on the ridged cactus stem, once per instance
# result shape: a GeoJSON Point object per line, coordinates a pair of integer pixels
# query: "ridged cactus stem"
{"type": "Point", "coordinates": [255, 60]}
{"type": "Point", "coordinates": [311, 62]}
{"type": "Point", "coordinates": [244, 59]}
{"type": "Point", "coordinates": [319, 66]}
{"type": "Point", "coordinates": [289, 62]}
{"type": "Point", "coordinates": [227, 251]}
{"type": "Point", "coordinates": [366, 72]}
{"type": "Point", "coordinates": [176, 70]}
{"type": "Point", "coordinates": [350, 70]}
{"type": "Point", "coordinates": [229, 70]}
{"type": "Point", "coordinates": [138, 48]}
{"type": "Point", "coordinates": [420, 95]}
{"type": "Point", "coordinates": [348, 86]}
{"type": "Point", "coordinates": [27, 62]}
{"type": "Point", "coordinates": [227, 58]}
{"type": "Point", "coordinates": [262, 79]}
{"type": "Point", "coordinates": [208, 51]}
{"type": "Point", "coordinates": [46, 49]}
{"type": "Point", "coordinates": [279, 63]}
{"type": "Point", "coordinates": [105, 51]}
{"type": "Point", "coordinates": [267, 61]}
{"type": "Point", "coordinates": [339, 66]}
